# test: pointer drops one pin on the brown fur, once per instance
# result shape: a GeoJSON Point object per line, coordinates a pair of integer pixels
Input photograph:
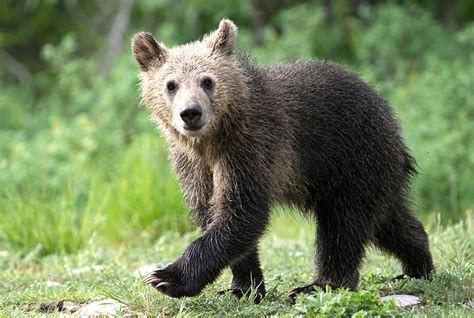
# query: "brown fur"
{"type": "Point", "coordinates": [308, 134]}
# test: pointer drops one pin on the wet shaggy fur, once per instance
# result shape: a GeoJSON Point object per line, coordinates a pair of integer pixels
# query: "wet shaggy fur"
{"type": "Point", "coordinates": [307, 134]}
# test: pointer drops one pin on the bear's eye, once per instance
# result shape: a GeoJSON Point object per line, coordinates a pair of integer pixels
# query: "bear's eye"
{"type": "Point", "coordinates": [171, 86]}
{"type": "Point", "coordinates": [207, 83]}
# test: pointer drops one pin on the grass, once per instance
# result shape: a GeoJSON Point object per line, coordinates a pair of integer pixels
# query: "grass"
{"type": "Point", "coordinates": [87, 194]}
{"type": "Point", "coordinates": [96, 272]}
{"type": "Point", "coordinates": [97, 203]}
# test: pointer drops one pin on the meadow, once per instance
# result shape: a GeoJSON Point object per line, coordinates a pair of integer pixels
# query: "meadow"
{"type": "Point", "coordinates": [85, 180]}
{"type": "Point", "coordinates": [27, 281]}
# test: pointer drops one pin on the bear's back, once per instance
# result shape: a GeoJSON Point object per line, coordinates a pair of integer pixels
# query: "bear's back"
{"type": "Point", "coordinates": [342, 129]}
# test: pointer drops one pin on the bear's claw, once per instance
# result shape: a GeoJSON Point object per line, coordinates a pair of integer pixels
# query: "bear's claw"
{"type": "Point", "coordinates": [302, 290]}
{"type": "Point", "coordinates": [169, 282]}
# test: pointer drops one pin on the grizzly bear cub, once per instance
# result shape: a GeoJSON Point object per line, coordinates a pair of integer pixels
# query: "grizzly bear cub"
{"type": "Point", "coordinates": [245, 137]}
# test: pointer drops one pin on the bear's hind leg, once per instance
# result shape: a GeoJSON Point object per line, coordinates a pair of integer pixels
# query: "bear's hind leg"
{"type": "Point", "coordinates": [343, 231]}
{"type": "Point", "coordinates": [247, 275]}
{"type": "Point", "coordinates": [403, 235]}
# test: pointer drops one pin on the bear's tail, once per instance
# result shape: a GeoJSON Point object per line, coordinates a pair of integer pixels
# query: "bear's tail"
{"type": "Point", "coordinates": [410, 165]}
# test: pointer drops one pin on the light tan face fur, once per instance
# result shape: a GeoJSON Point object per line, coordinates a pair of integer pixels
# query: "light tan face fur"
{"type": "Point", "coordinates": [202, 73]}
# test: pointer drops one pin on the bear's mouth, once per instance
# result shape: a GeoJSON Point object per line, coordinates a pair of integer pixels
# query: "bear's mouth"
{"type": "Point", "coordinates": [195, 130]}
{"type": "Point", "coordinates": [193, 127]}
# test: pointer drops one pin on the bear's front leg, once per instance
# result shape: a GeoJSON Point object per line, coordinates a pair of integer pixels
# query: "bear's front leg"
{"type": "Point", "coordinates": [188, 275]}
{"type": "Point", "coordinates": [247, 275]}
{"type": "Point", "coordinates": [240, 216]}
{"type": "Point", "coordinates": [204, 259]}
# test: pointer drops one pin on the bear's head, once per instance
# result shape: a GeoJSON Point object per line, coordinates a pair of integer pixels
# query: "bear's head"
{"type": "Point", "coordinates": [189, 89]}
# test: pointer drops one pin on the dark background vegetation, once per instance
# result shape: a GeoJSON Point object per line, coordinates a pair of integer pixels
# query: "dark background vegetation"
{"type": "Point", "coordinates": [80, 162]}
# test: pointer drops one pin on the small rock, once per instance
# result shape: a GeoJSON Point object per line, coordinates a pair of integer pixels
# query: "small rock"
{"type": "Point", "coordinates": [51, 283]}
{"type": "Point", "coordinates": [100, 308]}
{"type": "Point", "coordinates": [86, 269]}
{"type": "Point", "coordinates": [403, 300]}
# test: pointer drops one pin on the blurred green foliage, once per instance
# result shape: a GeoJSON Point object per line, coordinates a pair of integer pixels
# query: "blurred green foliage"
{"type": "Point", "coordinates": [79, 161]}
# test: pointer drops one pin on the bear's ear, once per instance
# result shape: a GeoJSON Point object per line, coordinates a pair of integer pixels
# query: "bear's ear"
{"type": "Point", "coordinates": [147, 51]}
{"type": "Point", "coordinates": [222, 41]}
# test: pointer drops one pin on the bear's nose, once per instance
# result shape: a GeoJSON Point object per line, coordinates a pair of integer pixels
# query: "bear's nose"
{"type": "Point", "coordinates": [191, 114]}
